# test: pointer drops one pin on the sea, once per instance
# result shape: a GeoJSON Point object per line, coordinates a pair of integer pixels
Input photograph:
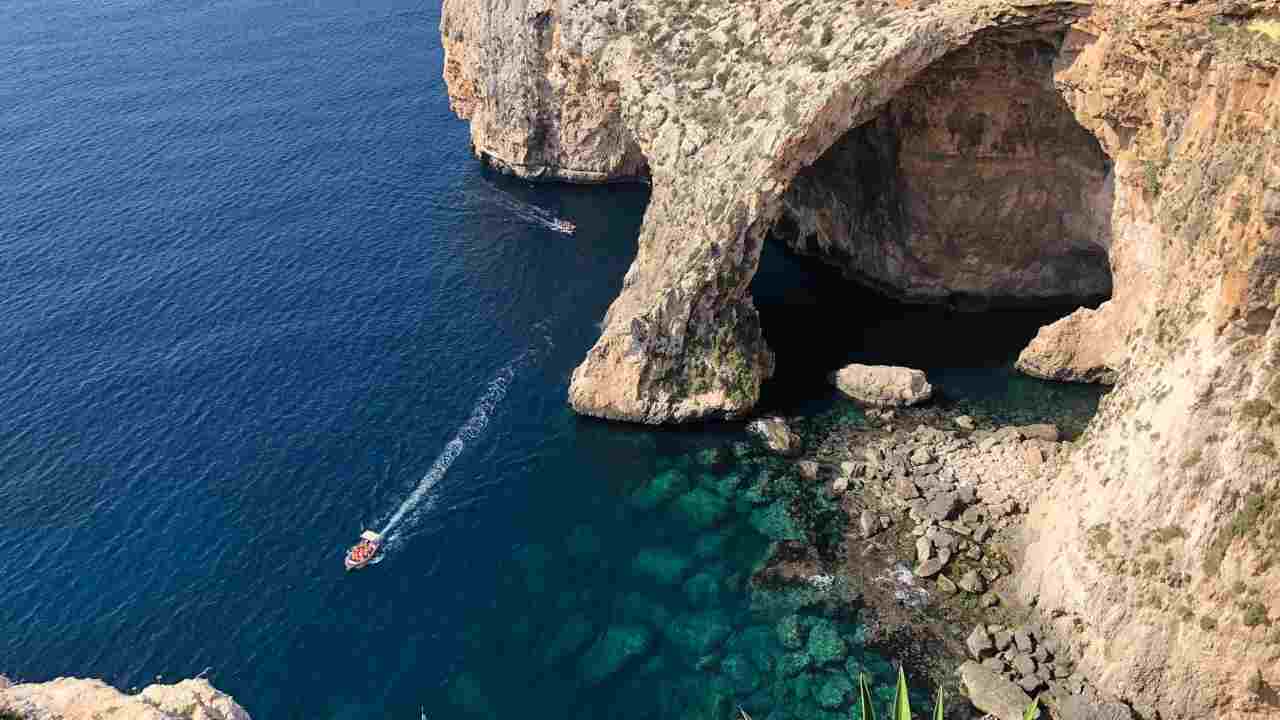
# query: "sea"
{"type": "Point", "coordinates": [256, 295]}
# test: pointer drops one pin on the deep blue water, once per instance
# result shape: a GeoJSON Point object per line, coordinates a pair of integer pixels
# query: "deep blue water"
{"type": "Point", "coordinates": [253, 283]}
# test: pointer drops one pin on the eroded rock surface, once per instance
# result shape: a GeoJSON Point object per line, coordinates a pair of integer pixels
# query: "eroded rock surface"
{"type": "Point", "coordinates": [974, 185]}
{"type": "Point", "coordinates": [82, 699]}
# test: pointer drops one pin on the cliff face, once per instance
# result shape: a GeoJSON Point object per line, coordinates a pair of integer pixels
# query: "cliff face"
{"type": "Point", "coordinates": [1159, 547]}
{"type": "Point", "coordinates": [80, 699]}
{"type": "Point", "coordinates": [1157, 143]}
{"type": "Point", "coordinates": [526, 74]}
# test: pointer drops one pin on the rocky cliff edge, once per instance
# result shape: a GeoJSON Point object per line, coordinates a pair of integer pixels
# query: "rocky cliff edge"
{"type": "Point", "coordinates": [82, 699]}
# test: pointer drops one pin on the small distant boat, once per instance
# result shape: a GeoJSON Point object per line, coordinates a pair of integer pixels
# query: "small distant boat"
{"type": "Point", "coordinates": [364, 552]}
{"type": "Point", "coordinates": [564, 226]}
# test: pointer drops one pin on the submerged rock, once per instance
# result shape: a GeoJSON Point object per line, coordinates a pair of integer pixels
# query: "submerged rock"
{"type": "Point", "coordinates": [702, 590]}
{"type": "Point", "coordinates": [700, 633]}
{"type": "Point", "coordinates": [662, 488]}
{"type": "Point", "coordinates": [777, 435]}
{"type": "Point", "coordinates": [661, 565]}
{"type": "Point", "coordinates": [570, 639]}
{"type": "Point", "coordinates": [835, 692]}
{"type": "Point", "coordinates": [825, 644]}
{"type": "Point", "coordinates": [775, 522]}
{"type": "Point", "coordinates": [702, 508]}
{"type": "Point", "coordinates": [883, 385]}
{"type": "Point", "coordinates": [638, 609]}
{"type": "Point", "coordinates": [619, 645]}
{"type": "Point", "coordinates": [583, 541]}
{"type": "Point", "coordinates": [794, 663]}
{"type": "Point", "coordinates": [791, 632]}
{"type": "Point", "coordinates": [740, 673]}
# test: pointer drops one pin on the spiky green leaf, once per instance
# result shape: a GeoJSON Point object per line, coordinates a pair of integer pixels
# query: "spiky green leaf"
{"type": "Point", "coordinates": [864, 698]}
{"type": "Point", "coordinates": [1033, 710]}
{"type": "Point", "coordinates": [937, 707]}
{"type": "Point", "coordinates": [901, 705]}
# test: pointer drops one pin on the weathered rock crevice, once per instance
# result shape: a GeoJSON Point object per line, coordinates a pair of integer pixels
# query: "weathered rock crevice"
{"type": "Point", "coordinates": [974, 186]}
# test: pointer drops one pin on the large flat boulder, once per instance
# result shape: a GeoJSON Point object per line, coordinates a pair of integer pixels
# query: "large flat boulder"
{"type": "Point", "coordinates": [992, 693]}
{"type": "Point", "coordinates": [883, 385]}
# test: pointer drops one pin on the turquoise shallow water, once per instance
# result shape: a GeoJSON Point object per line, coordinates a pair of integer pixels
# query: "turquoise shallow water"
{"type": "Point", "coordinates": [254, 284]}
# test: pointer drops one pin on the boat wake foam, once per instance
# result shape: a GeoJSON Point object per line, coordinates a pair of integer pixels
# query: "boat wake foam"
{"type": "Point", "coordinates": [412, 507]}
{"type": "Point", "coordinates": [526, 211]}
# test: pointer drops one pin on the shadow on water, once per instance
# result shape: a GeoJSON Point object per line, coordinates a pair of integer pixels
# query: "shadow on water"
{"type": "Point", "coordinates": [816, 321]}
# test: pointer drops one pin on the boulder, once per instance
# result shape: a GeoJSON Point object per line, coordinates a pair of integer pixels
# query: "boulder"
{"type": "Point", "coordinates": [777, 435]}
{"type": "Point", "coordinates": [1040, 431]}
{"type": "Point", "coordinates": [964, 422]}
{"type": "Point", "coordinates": [993, 694]}
{"type": "Point", "coordinates": [1004, 640]}
{"type": "Point", "coordinates": [979, 642]}
{"type": "Point", "coordinates": [905, 488]}
{"type": "Point", "coordinates": [930, 567]}
{"type": "Point", "coordinates": [5, 682]}
{"type": "Point", "coordinates": [868, 524]}
{"type": "Point", "coordinates": [1030, 683]}
{"type": "Point", "coordinates": [924, 549]}
{"type": "Point", "coordinates": [971, 582]}
{"type": "Point", "coordinates": [996, 665]}
{"type": "Point", "coordinates": [942, 538]}
{"type": "Point", "coordinates": [946, 585]}
{"type": "Point", "coordinates": [883, 385]}
{"type": "Point", "coordinates": [1024, 665]}
{"type": "Point", "coordinates": [942, 506]}
{"type": "Point", "coordinates": [922, 456]}
{"type": "Point", "coordinates": [840, 485]}
{"type": "Point", "coordinates": [1022, 638]}
{"type": "Point", "coordinates": [808, 469]}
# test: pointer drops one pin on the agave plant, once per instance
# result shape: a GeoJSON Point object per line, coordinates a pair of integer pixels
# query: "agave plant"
{"type": "Point", "coordinates": [902, 705]}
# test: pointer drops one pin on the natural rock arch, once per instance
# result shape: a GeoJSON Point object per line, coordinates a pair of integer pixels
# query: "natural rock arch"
{"type": "Point", "coordinates": [974, 187]}
{"type": "Point", "coordinates": [725, 141]}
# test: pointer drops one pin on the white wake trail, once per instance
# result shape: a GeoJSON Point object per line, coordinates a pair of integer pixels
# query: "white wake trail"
{"type": "Point", "coordinates": [468, 433]}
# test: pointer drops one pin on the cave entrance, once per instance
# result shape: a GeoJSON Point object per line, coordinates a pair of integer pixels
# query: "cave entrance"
{"type": "Point", "coordinates": [971, 211]}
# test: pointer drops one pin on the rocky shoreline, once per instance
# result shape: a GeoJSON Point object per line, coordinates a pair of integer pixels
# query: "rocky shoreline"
{"type": "Point", "coordinates": [88, 699]}
{"type": "Point", "coordinates": [933, 501]}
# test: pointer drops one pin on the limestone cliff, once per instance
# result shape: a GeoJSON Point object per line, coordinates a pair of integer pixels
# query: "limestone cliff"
{"type": "Point", "coordinates": [1146, 131]}
{"type": "Point", "coordinates": [81, 699]}
{"type": "Point", "coordinates": [523, 73]}
{"type": "Point", "coordinates": [1159, 547]}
